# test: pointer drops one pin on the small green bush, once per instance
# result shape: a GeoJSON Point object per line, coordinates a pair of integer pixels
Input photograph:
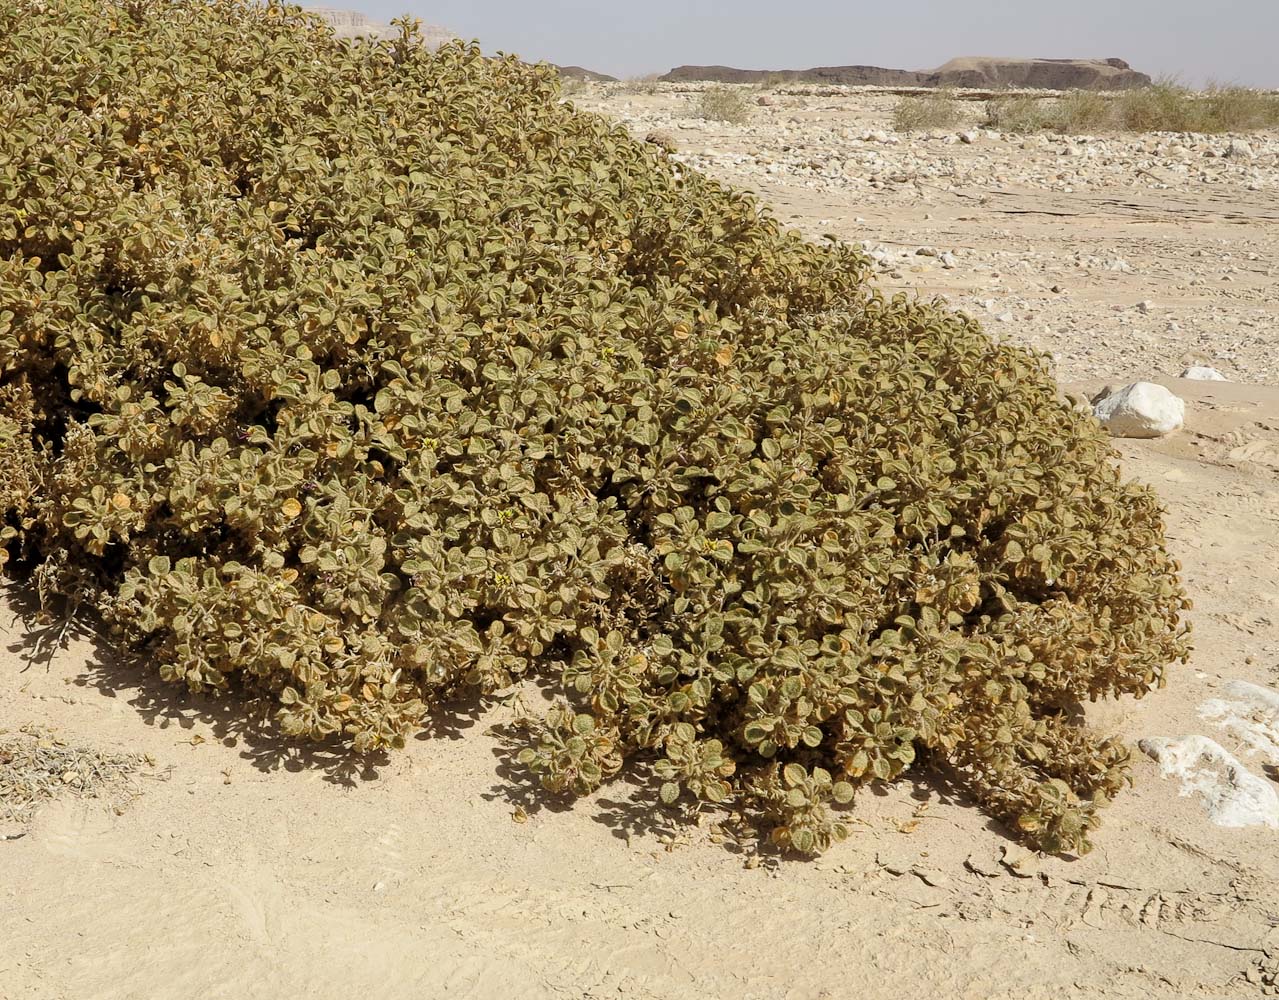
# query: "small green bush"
{"type": "Point", "coordinates": [929, 111]}
{"type": "Point", "coordinates": [723, 104]}
{"type": "Point", "coordinates": [359, 377]}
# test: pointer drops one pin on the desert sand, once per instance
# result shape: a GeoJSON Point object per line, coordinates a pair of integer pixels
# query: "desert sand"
{"type": "Point", "coordinates": [241, 867]}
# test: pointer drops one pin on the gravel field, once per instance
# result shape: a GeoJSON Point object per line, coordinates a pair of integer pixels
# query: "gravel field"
{"type": "Point", "coordinates": [1124, 256]}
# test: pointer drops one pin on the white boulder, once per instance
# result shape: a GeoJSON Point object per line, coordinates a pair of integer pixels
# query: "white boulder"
{"type": "Point", "coordinates": [1140, 410]}
{"type": "Point", "coordinates": [1233, 795]}
{"type": "Point", "coordinates": [1202, 373]}
{"type": "Point", "coordinates": [1240, 149]}
{"type": "Point", "coordinates": [1249, 713]}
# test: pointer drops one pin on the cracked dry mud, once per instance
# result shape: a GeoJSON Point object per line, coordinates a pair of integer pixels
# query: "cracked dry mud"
{"type": "Point", "coordinates": [252, 872]}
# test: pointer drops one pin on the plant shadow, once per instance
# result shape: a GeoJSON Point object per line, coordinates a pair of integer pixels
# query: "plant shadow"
{"type": "Point", "coordinates": [240, 717]}
{"type": "Point", "coordinates": [627, 803]}
{"type": "Point", "coordinates": [43, 634]}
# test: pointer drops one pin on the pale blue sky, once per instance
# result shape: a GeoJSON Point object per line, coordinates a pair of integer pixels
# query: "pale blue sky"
{"type": "Point", "coordinates": [1230, 41]}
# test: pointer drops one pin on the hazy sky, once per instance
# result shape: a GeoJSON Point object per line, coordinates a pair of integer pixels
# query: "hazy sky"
{"type": "Point", "coordinates": [1229, 41]}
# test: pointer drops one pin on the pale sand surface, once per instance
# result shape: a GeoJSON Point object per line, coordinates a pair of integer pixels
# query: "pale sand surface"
{"type": "Point", "coordinates": [245, 870]}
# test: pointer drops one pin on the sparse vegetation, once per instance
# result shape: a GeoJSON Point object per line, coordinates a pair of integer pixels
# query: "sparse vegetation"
{"type": "Point", "coordinates": [35, 766]}
{"type": "Point", "coordinates": [645, 85]}
{"type": "Point", "coordinates": [771, 81]}
{"type": "Point", "coordinates": [571, 86]}
{"type": "Point", "coordinates": [1163, 107]}
{"type": "Point", "coordinates": [362, 377]}
{"type": "Point", "coordinates": [1021, 113]}
{"type": "Point", "coordinates": [939, 110]}
{"type": "Point", "coordinates": [723, 104]}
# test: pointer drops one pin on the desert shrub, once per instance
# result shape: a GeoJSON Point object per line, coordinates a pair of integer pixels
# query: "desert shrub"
{"type": "Point", "coordinates": [647, 85]}
{"type": "Point", "coordinates": [723, 104]}
{"type": "Point", "coordinates": [1022, 113]}
{"type": "Point", "coordinates": [1165, 106]}
{"type": "Point", "coordinates": [1162, 107]}
{"type": "Point", "coordinates": [1082, 111]}
{"type": "Point", "coordinates": [926, 111]}
{"type": "Point", "coordinates": [1238, 109]}
{"type": "Point", "coordinates": [358, 377]}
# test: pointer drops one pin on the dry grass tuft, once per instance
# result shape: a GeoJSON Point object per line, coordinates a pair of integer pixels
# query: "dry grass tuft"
{"type": "Point", "coordinates": [1162, 107]}
{"type": "Point", "coordinates": [723, 104]}
{"type": "Point", "coordinates": [36, 766]}
{"type": "Point", "coordinates": [1017, 114]}
{"type": "Point", "coordinates": [645, 85]}
{"type": "Point", "coordinates": [928, 111]}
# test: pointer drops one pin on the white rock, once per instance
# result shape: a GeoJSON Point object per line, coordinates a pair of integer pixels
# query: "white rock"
{"type": "Point", "coordinates": [1140, 410]}
{"type": "Point", "coordinates": [1202, 373]}
{"type": "Point", "coordinates": [1250, 713]}
{"type": "Point", "coordinates": [1240, 149]}
{"type": "Point", "coordinates": [1233, 795]}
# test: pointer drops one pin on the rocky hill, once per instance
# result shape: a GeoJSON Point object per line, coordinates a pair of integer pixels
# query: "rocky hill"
{"type": "Point", "coordinates": [852, 76]}
{"type": "Point", "coordinates": [980, 72]}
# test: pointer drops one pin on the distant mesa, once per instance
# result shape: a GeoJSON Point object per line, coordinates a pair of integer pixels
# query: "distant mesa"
{"type": "Point", "coordinates": [1040, 74]}
{"type": "Point", "coordinates": [353, 24]}
{"type": "Point", "coordinates": [873, 76]}
{"type": "Point", "coordinates": [970, 71]}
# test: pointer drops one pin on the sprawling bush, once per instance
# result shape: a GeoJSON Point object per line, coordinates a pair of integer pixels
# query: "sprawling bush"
{"type": "Point", "coordinates": [362, 377]}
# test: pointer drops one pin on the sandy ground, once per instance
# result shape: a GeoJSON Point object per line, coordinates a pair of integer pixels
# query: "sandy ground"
{"type": "Point", "coordinates": [245, 869]}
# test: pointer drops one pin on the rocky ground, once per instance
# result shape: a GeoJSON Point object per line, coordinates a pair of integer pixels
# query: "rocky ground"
{"type": "Point", "coordinates": [1123, 256]}
{"type": "Point", "coordinates": [234, 866]}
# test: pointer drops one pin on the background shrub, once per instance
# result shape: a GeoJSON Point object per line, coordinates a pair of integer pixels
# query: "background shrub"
{"type": "Point", "coordinates": [357, 376]}
{"type": "Point", "coordinates": [1163, 107]}
{"type": "Point", "coordinates": [927, 111]}
{"type": "Point", "coordinates": [1018, 114]}
{"type": "Point", "coordinates": [723, 104]}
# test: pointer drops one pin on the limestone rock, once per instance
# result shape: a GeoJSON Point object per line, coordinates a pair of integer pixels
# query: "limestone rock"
{"type": "Point", "coordinates": [1203, 373]}
{"type": "Point", "coordinates": [1140, 410]}
{"type": "Point", "coordinates": [1233, 795]}
{"type": "Point", "coordinates": [1250, 714]}
{"type": "Point", "coordinates": [1240, 149]}
{"type": "Point", "coordinates": [662, 139]}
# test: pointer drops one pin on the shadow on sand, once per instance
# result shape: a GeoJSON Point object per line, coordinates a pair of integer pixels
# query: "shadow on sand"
{"type": "Point", "coordinates": [242, 717]}
{"type": "Point", "coordinates": [239, 717]}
